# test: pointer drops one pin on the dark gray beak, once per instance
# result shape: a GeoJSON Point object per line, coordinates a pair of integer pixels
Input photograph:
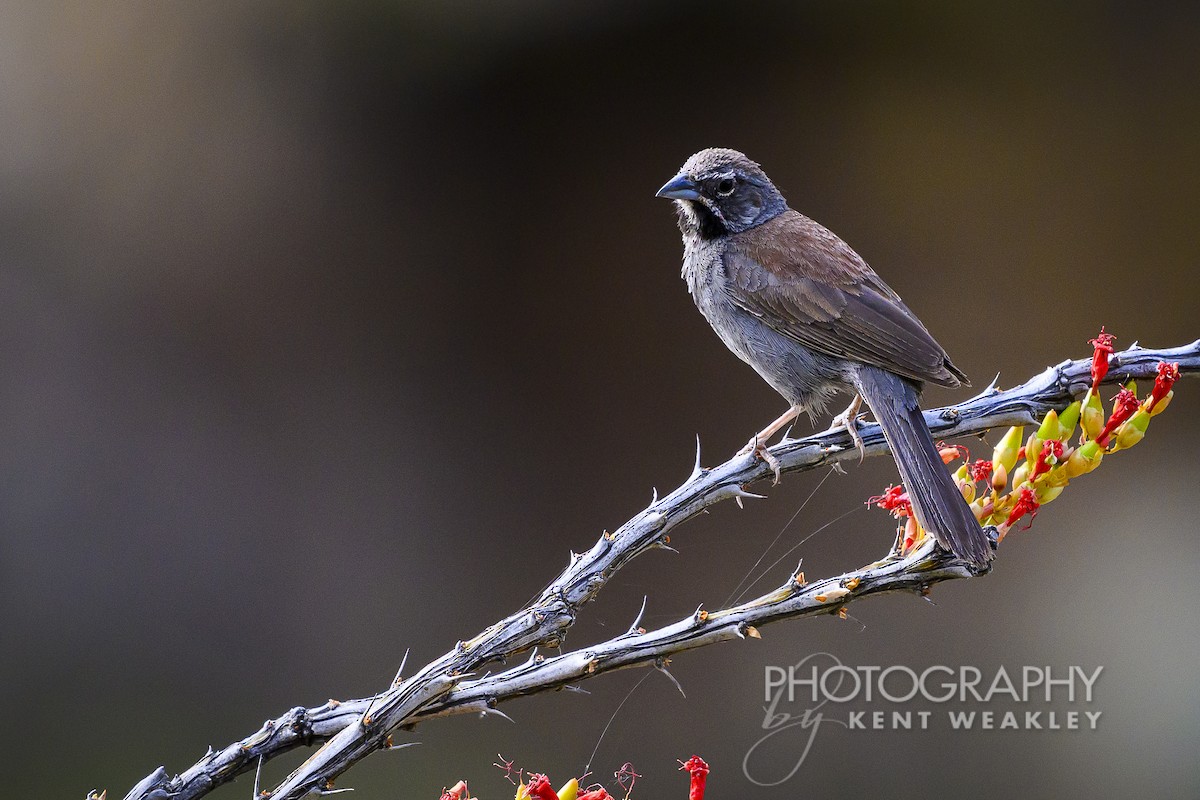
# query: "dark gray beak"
{"type": "Point", "coordinates": [680, 187]}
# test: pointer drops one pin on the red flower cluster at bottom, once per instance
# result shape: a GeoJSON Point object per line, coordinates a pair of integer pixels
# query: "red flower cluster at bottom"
{"type": "Point", "coordinates": [538, 786]}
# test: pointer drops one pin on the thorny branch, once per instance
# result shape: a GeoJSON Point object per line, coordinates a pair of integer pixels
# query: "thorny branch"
{"type": "Point", "coordinates": [352, 730]}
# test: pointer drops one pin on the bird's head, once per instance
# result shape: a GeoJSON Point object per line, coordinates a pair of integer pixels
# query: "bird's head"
{"type": "Point", "coordinates": [720, 191]}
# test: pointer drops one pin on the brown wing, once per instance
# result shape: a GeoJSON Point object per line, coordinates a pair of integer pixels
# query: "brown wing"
{"type": "Point", "coordinates": [808, 284]}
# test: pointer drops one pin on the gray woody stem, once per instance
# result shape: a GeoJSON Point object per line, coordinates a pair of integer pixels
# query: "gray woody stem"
{"type": "Point", "coordinates": [356, 728]}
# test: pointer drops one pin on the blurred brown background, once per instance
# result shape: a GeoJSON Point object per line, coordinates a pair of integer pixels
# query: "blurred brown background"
{"type": "Point", "coordinates": [329, 329]}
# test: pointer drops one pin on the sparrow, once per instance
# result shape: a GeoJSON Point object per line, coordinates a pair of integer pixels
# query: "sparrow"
{"type": "Point", "coordinates": [797, 304]}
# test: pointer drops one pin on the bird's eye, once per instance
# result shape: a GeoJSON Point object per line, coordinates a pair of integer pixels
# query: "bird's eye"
{"type": "Point", "coordinates": [725, 187]}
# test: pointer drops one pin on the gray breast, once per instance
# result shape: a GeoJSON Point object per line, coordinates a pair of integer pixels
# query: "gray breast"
{"type": "Point", "coordinates": [803, 377]}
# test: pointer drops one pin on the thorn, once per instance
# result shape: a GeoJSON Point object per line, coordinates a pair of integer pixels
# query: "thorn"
{"type": "Point", "coordinates": [638, 619]}
{"type": "Point", "coordinates": [990, 389]}
{"type": "Point", "coordinates": [533, 657]}
{"type": "Point", "coordinates": [664, 671]}
{"type": "Point", "coordinates": [403, 661]}
{"type": "Point", "coordinates": [573, 688]}
{"type": "Point", "coordinates": [739, 492]}
{"type": "Point", "coordinates": [661, 545]}
{"type": "Point", "coordinates": [752, 632]}
{"type": "Point", "coordinates": [497, 712]}
{"type": "Point", "coordinates": [392, 747]}
{"type": "Point", "coordinates": [1134, 346]}
{"type": "Point", "coordinates": [332, 791]}
{"type": "Point", "coordinates": [257, 776]}
{"type": "Point", "coordinates": [700, 614]}
{"type": "Point", "coordinates": [654, 495]}
{"type": "Point", "coordinates": [365, 719]}
{"type": "Point", "coordinates": [697, 470]}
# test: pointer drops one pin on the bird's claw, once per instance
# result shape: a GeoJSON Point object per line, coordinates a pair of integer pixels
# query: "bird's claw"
{"type": "Point", "coordinates": [849, 421]}
{"type": "Point", "coordinates": [760, 450]}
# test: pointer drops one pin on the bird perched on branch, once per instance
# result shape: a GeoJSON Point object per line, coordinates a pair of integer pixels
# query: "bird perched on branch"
{"type": "Point", "coordinates": [795, 302]}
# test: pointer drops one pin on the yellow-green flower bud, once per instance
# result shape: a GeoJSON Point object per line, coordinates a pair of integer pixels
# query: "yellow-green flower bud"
{"type": "Point", "coordinates": [1068, 420]}
{"type": "Point", "coordinates": [999, 477]}
{"type": "Point", "coordinates": [1020, 475]}
{"type": "Point", "coordinates": [1033, 449]}
{"type": "Point", "coordinates": [1005, 454]}
{"type": "Point", "coordinates": [1084, 459]}
{"type": "Point", "coordinates": [569, 791]}
{"type": "Point", "coordinates": [1162, 404]}
{"type": "Point", "coordinates": [968, 490]}
{"type": "Point", "coordinates": [1045, 494]}
{"type": "Point", "coordinates": [1091, 414]}
{"type": "Point", "coordinates": [1050, 429]}
{"type": "Point", "coordinates": [1133, 430]}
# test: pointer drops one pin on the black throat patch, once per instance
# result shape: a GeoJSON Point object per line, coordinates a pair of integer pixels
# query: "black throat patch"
{"type": "Point", "coordinates": [699, 219]}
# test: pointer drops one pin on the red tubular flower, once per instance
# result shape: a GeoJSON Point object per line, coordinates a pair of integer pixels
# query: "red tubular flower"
{"type": "Point", "coordinates": [1124, 405]}
{"type": "Point", "coordinates": [910, 534]}
{"type": "Point", "coordinates": [1051, 447]}
{"type": "Point", "coordinates": [540, 788]}
{"type": "Point", "coordinates": [1026, 504]}
{"type": "Point", "coordinates": [595, 794]}
{"type": "Point", "coordinates": [1167, 375]}
{"type": "Point", "coordinates": [457, 792]}
{"type": "Point", "coordinates": [949, 452]}
{"type": "Point", "coordinates": [1103, 348]}
{"type": "Point", "coordinates": [893, 499]}
{"type": "Point", "coordinates": [698, 769]}
{"type": "Point", "coordinates": [980, 471]}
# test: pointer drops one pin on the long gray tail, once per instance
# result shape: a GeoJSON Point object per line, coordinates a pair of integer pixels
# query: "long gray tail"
{"type": "Point", "coordinates": [937, 503]}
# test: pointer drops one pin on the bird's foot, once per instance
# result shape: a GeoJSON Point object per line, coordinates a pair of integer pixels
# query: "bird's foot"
{"type": "Point", "coordinates": [848, 419]}
{"type": "Point", "coordinates": [759, 449]}
{"type": "Point", "coordinates": [758, 444]}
